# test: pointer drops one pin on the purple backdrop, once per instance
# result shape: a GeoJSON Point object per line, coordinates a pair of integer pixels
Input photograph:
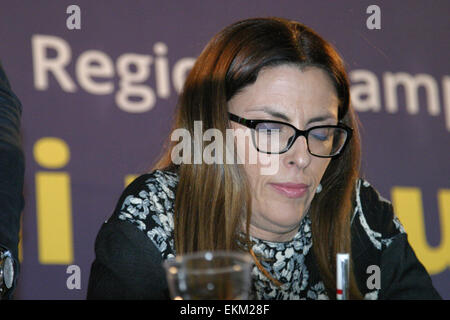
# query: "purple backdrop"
{"type": "Point", "coordinates": [107, 141]}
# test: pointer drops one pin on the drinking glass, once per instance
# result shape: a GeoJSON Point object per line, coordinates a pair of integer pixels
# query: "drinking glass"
{"type": "Point", "coordinates": [209, 275]}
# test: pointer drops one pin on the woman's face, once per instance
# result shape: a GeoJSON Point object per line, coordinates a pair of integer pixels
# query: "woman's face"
{"type": "Point", "coordinates": [304, 99]}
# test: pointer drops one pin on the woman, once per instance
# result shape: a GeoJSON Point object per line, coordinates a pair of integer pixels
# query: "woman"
{"type": "Point", "coordinates": [279, 80]}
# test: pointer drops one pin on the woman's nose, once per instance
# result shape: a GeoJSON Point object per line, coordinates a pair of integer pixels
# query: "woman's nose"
{"type": "Point", "coordinates": [298, 154]}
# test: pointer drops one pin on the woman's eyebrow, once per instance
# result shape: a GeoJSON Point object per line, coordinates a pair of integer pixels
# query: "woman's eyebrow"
{"type": "Point", "coordinates": [272, 112]}
{"type": "Point", "coordinates": [277, 114]}
{"type": "Point", "coordinates": [322, 118]}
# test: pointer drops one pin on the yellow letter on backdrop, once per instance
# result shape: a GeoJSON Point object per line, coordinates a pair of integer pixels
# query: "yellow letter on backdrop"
{"type": "Point", "coordinates": [408, 207]}
{"type": "Point", "coordinates": [53, 202]}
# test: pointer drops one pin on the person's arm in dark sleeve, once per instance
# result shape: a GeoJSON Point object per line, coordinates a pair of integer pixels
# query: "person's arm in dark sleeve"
{"type": "Point", "coordinates": [127, 265]}
{"type": "Point", "coordinates": [12, 169]}
{"type": "Point", "coordinates": [403, 277]}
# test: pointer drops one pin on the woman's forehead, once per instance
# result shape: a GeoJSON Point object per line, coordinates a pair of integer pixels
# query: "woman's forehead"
{"type": "Point", "coordinates": [288, 90]}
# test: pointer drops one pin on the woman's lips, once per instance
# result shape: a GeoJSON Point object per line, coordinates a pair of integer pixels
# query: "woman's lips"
{"type": "Point", "coordinates": [291, 190]}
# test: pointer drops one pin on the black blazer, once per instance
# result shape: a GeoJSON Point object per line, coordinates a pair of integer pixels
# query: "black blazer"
{"type": "Point", "coordinates": [128, 263]}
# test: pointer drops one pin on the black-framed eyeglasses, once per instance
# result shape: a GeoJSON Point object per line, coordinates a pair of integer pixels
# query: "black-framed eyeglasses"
{"type": "Point", "coordinates": [276, 137]}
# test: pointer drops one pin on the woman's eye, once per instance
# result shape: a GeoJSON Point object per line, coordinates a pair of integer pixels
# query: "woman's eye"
{"type": "Point", "coordinates": [269, 128]}
{"type": "Point", "coordinates": [319, 137]}
{"type": "Point", "coordinates": [320, 134]}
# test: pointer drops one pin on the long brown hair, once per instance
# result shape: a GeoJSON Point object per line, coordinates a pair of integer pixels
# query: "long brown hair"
{"type": "Point", "coordinates": [212, 199]}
